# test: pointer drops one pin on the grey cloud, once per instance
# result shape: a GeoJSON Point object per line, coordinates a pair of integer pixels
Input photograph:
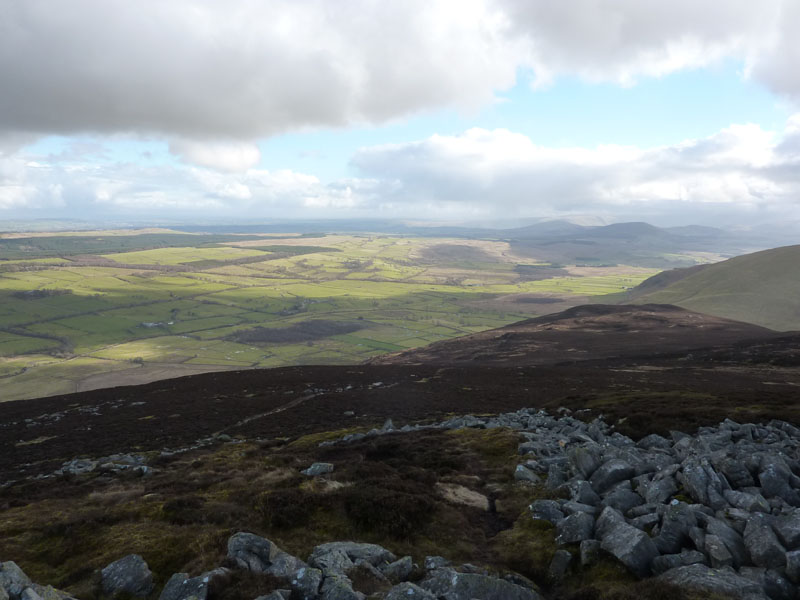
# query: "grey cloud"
{"type": "Point", "coordinates": [238, 70]}
{"type": "Point", "coordinates": [245, 69]}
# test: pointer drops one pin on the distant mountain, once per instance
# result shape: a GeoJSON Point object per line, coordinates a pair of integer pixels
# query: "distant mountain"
{"type": "Point", "coordinates": [761, 288]}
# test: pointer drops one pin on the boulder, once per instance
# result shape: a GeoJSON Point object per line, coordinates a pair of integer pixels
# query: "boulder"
{"type": "Point", "coordinates": [575, 528]}
{"type": "Point", "coordinates": [559, 565]}
{"type": "Point", "coordinates": [13, 579]}
{"type": "Point", "coordinates": [523, 473]}
{"type": "Point", "coordinates": [448, 583]}
{"type": "Point", "coordinates": [129, 575]}
{"type": "Point", "coordinates": [338, 587]}
{"type": "Point", "coordinates": [731, 538]}
{"type": "Point", "coordinates": [306, 583]}
{"type": "Point", "coordinates": [372, 553]}
{"type": "Point", "coordinates": [723, 582]}
{"type": "Point", "coordinates": [408, 591]}
{"type": "Point", "coordinates": [317, 469]}
{"type": "Point", "coordinates": [182, 587]}
{"type": "Point", "coordinates": [584, 460]}
{"type": "Point", "coordinates": [717, 552]}
{"type": "Point", "coordinates": [546, 510]}
{"type": "Point", "coordinates": [665, 562]}
{"type": "Point", "coordinates": [590, 551]}
{"type": "Point", "coordinates": [762, 543]}
{"type": "Point", "coordinates": [398, 570]}
{"type": "Point", "coordinates": [254, 553]}
{"type": "Point", "coordinates": [793, 566]}
{"type": "Point", "coordinates": [631, 546]}
{"type": "Point", "coordinates": [676, 522]}
{"type": "Point", "coordinates": [788, 529]}
{"type": "Point", "coordinates": [435, 562]}
{"type": "Point", "coordinates": [609, 473]}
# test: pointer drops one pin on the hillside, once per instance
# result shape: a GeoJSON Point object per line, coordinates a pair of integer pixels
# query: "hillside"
{"type": "Point", "coordinates": [761, 288]}
{"type": "Point", "coordinates": [438, 462]}
{"type": "Point", "coordinates": [590, 332]}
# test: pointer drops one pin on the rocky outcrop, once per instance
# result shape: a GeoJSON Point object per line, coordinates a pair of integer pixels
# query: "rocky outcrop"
{"type": "Point", "coordinates": [129, 575]}
{"type": "Point", "coordinates": [16, 585]}
{"type": "Point", "coordinates": [722, 505]}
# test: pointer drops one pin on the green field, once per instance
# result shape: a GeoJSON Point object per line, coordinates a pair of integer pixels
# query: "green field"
{"type": "Point", "coordinates": [67, 319]}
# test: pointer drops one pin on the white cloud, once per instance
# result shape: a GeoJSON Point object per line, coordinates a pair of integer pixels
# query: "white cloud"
{"type": "Point", "coordinates": [738, 170]}
{"type": "Point", "coordinates": [223, 156]}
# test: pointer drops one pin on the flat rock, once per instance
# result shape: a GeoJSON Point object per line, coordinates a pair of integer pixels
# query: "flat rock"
{"type": "Point", "coordinates": [724, 582]}
{"type": "Point", "coordinates": [129, 575]}
{"type": "Point", "coordinates": [451, 584]}
{"type": "Point", "coordinates": [408, 591]}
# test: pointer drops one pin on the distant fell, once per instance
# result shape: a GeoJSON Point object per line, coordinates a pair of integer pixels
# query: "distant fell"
{"type": "Point", "coordinates": [762, 288]}
{"type": "Point", "coordinates": [587, 333]}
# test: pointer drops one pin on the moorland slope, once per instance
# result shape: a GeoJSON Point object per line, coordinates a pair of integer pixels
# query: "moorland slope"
{"type": "Point", "coordinates": [761, 288]}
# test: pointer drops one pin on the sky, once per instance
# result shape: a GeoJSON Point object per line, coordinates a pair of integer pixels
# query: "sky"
{"type": "Point", "coordinates": [466, 111]}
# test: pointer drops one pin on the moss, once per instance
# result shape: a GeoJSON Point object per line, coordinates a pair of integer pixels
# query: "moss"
{"type": "Point", "coordinates": [313, 440]}
{"type": "Point", "coordinates": [528, 547]}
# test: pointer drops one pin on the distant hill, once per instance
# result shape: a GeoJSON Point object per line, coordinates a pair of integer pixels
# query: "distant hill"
{"type": "Point", "coordinates": [586, 333]}
{"type": "Point", "coordinates": [761, 288]}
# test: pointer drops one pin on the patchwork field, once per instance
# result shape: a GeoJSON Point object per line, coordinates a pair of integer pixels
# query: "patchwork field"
{"type": "Point", "coordinates": [94, 310]}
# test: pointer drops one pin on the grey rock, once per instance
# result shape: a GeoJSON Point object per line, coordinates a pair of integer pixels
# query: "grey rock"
{"type": "Point", "coordinates": [128, 575]}
{"type": "Point", "coordinates": [523, 473]}
{"type": "Point", "coordinates": [717, 552]}
{"type": "Point", "coordinates": [571, 507]}
{"type": "Point", "coordinates": [398, 570]}
{"type": "Point", "coordinates": [631, 546]}
{"type": "Point", "coordinates": [372, 553]}
{"type": "Point", "coordinates": [435, 562]}
{"type": "Point", "coordinates": [737, 473]}
{"type": "Point", "coordinates": [762, 543]}
{"type": "Point", "coordinates": [559, 565]}
{"type": "Point", "coordinates": [623, 500]}
{"type": "Point", "coordinates": [182, 587]}
{"type": "Point", "coordinates": [331, 563]}
{"type": "Point", "coordinates": [306, 582]}
{"type": "Point", "coordinates": [446, 583]}
{"type": "Point", "coordinates": [584, 460]}
{"type": "Point", "coordinates": [546, 510]}
{"type": "Point", "coordinates": [646, 522]}
{"type": "Point", "coordinates": [338, 587]}
{"type": "Point", "coordinates": [556, 476]}
{"type": "Point", "coordinates": [659, 491]}
{"type": "Point", "coordinates": [774, 477]}
{"type": "Point", "coordinates": [745, 501]}
{"type": "Point", "coordinates": [408, 591]}
{"type": "Point", "coordinates": [654, 441]}
{"type": "Point", "coordinates": [675, 525]}
{"type": "Point", "coordinates": [575, 528]}
{"type": "Point", "coordinates": [276, 595]}
{"type": "Point", "coordinates": [609, 473]}
{"type": "Point", "coordinates": [30, 594]}
{"type": "Point", "coordinates": [581, 491]}
{"type": "Point", "coordinates": [13, 579]}
{"type": "Point", "coordinates": [4, 594]}
{"type": "Point", "coordinates": [793, 566]}
{"type": "Point", "coordinates": [590, 552]}
{"type": "Point", "coordinates": [665, 562]}
{"type": "Point", "coordinates": [317, 469]}
{"type": "Point", "coordinates": [254, 553]}
{"type": "Point", "coordinates": [608, 520]}
{"type": "Point", "coordinates": [788, 529]}
{"type": "Point", "coordinates": [731, 538]}
{"type": "Point", "coordinates": [773, 584]}
{"type": "Point", "coordinates": [695, 480]}
{"type": "Point", "coordinates": [723, 582]}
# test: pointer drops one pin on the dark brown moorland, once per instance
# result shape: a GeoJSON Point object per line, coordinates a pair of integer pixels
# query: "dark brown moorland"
{"type": "Point", "coordinates": [644, 368]}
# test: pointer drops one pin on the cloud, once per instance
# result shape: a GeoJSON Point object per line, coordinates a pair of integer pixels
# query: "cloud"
{"type": "Point", "coordinates": [242, 69]}
{"type": "Point", "coordinates": [245, 70]}
{"type": "Point", "coordinates": [223, 156]}
{"type": "Point", "coordinates": [742, 170]}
